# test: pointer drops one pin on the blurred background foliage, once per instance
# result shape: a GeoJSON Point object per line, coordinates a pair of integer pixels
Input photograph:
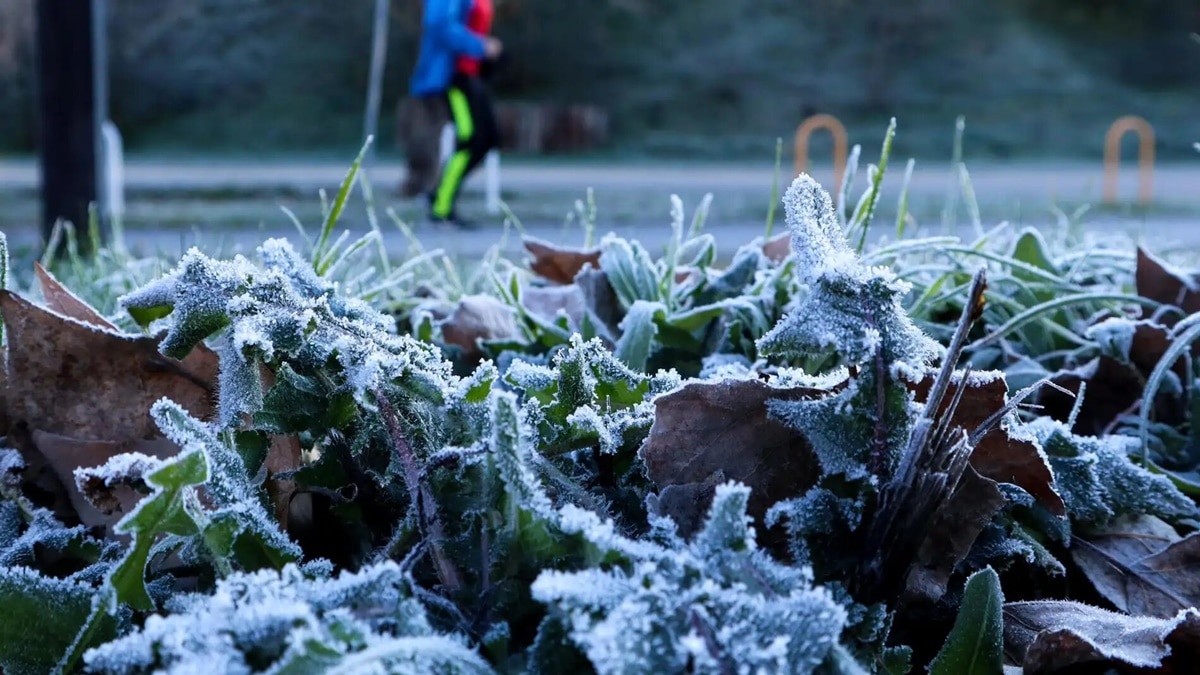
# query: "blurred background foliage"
{"type": "Point", "coordinates": [718, 78]}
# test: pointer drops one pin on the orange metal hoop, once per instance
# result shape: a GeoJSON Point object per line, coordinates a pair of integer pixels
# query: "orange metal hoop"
{"type": "Point", "coordinates": [1112, 156]}
{"type": "Point", "coordinates": [837, 130]}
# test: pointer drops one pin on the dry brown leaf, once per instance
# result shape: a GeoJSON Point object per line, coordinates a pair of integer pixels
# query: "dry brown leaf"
{"type": "Point", "coordinates": [1049, 636]}
{"type": "Point", "coordinates": [709, 427]}
{"type": "Point", "coordinates": [778, 248]}
{"type": "Point", "coordinates": [559, 264]}
{"type": "Point", "coordinates": [64, 454]}
{"type": "Point", "coordinates": [60, 299]}
{"type": "Point", "coordinates": [545, 302]}
{"type": "Point", "coordinates": [1142, 566]}
{"type": "Point", "coordinates": [954, 529]}
{"type": "Point", "coordinates": [69, 378]}
{"type": "Point", "coordinates": [1156, 280]}
{"type": "Point", "coordinates": [998, 455]}
{"type": "Point", "coordinates": [475, 318]}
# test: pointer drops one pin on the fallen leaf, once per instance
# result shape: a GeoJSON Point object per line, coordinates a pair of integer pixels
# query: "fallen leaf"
{"type": "Point", "coordinates": [545, 302]}
{"type": "Point", "coordinates": [475, 318]}
{"type": "Point", "coordinates": [955, 527]}
{"type": "Point", "coordinates": [1113, 389]}
{"type": "Point", "coordinates": [558, 263]}
{"type": "Point", "coordinates": [778, 248]}
{"type": "Point", "coordinates": [709, 427]}
{"type": "Point", "coordinates": [1142, 566]}
{"type": "Point", "coordinates": [1047, 636]}
{"type": "Point", "coordinates": [70, 378]}
{"type": "Point", "coordinates": [60, 299]}
{"type": "Point", "coordinates": [1154, 279]}
{"type": "Point", "coordinates": [64, 455]}
{"type": "Point", "coordinates": [600, 298]}
{"type": "Point", "coordinates": [999, 455]}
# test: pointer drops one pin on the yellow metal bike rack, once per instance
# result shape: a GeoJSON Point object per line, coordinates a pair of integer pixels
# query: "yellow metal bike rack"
{"type": "Point", "coordinates": [1112, 157]}
{"type": "Point", "coordinates": [837, 130]}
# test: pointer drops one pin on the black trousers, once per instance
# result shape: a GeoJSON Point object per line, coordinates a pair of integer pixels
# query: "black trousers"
{"type": "Point", "coordinates": [476, 134]}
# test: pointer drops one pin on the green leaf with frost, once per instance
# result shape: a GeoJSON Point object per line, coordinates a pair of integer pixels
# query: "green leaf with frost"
{"type": "Point", "coordinates": [975, 645]}
{"type": "Point", "coordinates": [40, 618]}
{"type": "Point", "coordinates": [638, 330]}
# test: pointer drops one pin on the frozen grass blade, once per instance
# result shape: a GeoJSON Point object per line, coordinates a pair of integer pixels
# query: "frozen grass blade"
{"type": "Point", "coordinates": [339, 202]}
{"type": "Point", "coordinates": [862, 218]}
{"type": "Point", "coordinates": [774, 189]}
{"type": "Point", "coordinates": [902, 206]}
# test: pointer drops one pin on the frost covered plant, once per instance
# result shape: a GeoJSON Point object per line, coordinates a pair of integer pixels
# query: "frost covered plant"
{"type": "Point", "coordinates": [717, 604]}
{"type": "Point", "coordinates": [294, 620]}
{"type": "Point", "coordinates": [851, 319]}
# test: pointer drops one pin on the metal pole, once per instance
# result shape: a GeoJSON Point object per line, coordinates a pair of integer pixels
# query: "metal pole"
{"type": "Point", "coordinates": [71, 100]}
{"type": "Point", "coordinates": [375, 87]}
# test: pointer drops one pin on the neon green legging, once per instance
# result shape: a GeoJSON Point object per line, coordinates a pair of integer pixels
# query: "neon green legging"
{"type": "Point", "coordinates": [475, 134]}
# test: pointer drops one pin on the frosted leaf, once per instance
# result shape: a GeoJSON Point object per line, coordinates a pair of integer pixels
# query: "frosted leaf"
{"type": "Point", "coordinates": [725, 366]}
{"type": "Point", "coordinates": [718, 594]}
{"type": "Point", "coordinates": [11, 466]}
{"type": "Point", "coordinates": [40, 618]}
{"type": "Point", "coordinates": [1098, 481]}
{"type": "Point", "coordinates": [279, 618]}
{"type": "Point", "coordinates": [818, 512]}
{"type": "Point", "coordinates": [817, 238]}
{"type": "Point", "coordinates": [852, 310]}
{"type": "Point", "coordinates": [512, 449]}
{"type": "Point", "coordinates": [229, 483]}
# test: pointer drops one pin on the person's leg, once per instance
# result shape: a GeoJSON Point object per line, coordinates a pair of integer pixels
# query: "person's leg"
{"type": "Point", "coordinates": [462, 116]}
{"type": "Point", "coordinates": [487, 132]}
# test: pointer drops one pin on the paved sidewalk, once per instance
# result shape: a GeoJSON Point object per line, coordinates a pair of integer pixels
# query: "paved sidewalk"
{"type": "Point", "coordinates": [1032, 186]}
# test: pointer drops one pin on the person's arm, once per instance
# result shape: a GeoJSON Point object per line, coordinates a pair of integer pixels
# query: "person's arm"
{"type": "Point", "coordinates": [441, 20]}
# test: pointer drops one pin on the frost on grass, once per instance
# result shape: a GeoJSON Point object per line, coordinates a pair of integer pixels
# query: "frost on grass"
{"type": "Point", "coordinates": [278, 621]}
{"type": "Point", "coordinates": [274, 312]}
{"type": "Point", "coordinates": [852, 309]}
{"type": "Point", "coordinates": [716, 604]}
{"type": "Point", "coordinates": [1098, 481]}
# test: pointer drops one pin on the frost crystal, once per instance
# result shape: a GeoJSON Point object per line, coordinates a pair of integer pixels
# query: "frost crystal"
{"type": "Point", "coordinates": [853, 310]}
{"type": "Point", "coordinates": [278, 621]}
{"type": "Point", "coordinates": [1098, 481]}
{"type": "Point", "coordinates": [717, 604]}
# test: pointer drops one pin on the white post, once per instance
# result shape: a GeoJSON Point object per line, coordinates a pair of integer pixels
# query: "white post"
{"type": "Point", "coordinates": [113, 171]}
{"type": "Point", "coordinates": [491, 169]}
{"type": "Point", "coordinates": [375, 84]}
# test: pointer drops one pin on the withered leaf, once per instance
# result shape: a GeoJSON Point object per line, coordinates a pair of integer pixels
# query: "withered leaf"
{"type": "Point", "coordinates": [64, 454]}
{"type": "Point", "coordinates": [1047, 636]}
{"type": "Point", "coordinates": [559, 264]}
{"type": "Point", "coordinates": [1142, 566]}
{"type": "Point", "coordinates": [60, 299]}
{"type": "Point", "coordinates": [1113, 389]}
{"type": "Point", "coordinates": [778, 248]}
{"type": "Point", "coordinates": [475, 318]}
{"type": "Point", "coordinates": [954, 529]}
{"type": "Point", "coordinates": [73, 379]}
{"type": "Point", "coordinates": [999, 455]}
{"type": "Point", "coordinates": [706, 427]}
{"type": "Point", "coordinates": [1157, 281]}
{"type": "Point", "coordinates": [545, 302]}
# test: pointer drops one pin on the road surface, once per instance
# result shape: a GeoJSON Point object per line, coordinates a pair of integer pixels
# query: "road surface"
{"type": "Point", "coordinates": [174, 204]}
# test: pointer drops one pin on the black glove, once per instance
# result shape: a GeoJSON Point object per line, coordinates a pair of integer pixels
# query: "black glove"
{"type": "Point", "coordinates": [488, 68]}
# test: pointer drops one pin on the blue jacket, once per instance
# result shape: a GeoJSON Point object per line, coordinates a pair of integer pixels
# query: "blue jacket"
{"type": "Point", "coordinates": [444, 37]}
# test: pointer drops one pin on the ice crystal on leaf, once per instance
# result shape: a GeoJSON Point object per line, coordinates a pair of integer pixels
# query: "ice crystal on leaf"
{"type": "Point", "coordinates": [715, 604]}
{"type": "Point", "coordinates": [285, 621]}
{"type": "Point", "coordinates": [278, 312]}
{"type": "Point", "coordinates": [852, 309]}
{"type": "Point", "coordinates": [1098, 481]}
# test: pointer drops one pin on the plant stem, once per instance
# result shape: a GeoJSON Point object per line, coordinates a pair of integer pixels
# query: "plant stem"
{"type": "Point", "coordinates": [421, 495]}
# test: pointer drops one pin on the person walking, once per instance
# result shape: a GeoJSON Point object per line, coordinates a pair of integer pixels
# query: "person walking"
{"type": "Point", "coordinates": [456, 41]}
